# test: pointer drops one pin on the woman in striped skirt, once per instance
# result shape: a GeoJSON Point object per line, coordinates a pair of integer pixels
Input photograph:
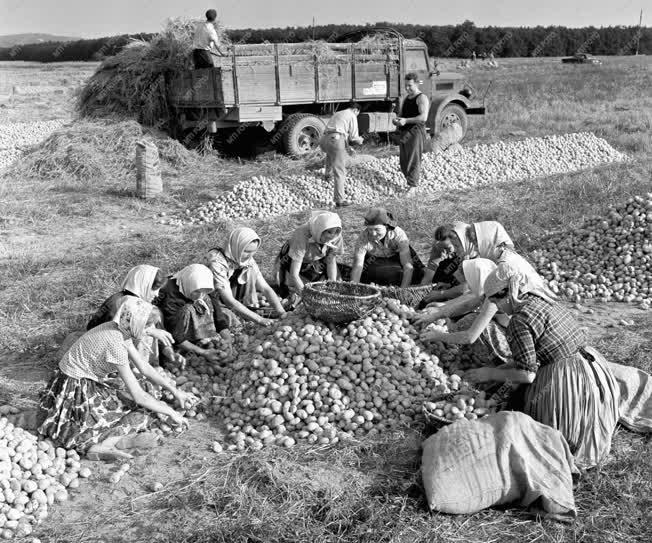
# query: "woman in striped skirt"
{"type": "Point", "coordinates": [570, 386]}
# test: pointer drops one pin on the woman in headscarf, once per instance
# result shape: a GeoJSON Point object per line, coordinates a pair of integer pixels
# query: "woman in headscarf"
{"type": "Point", "coordinates": [80, 410]}
{"type": "Point", "coordinates": [480, 325]}
{"type": "Point", "coordinates": [462, 241]}
{"type": "Point", "coordinates": [190, 314]}
{"type": "Point", "coordinates": [311, 253]}
{"type": "Point", "coordinates": [237, 277]}
{"type": "Point", "coordinates": [143, 282]}
{"type": "Point", "coordinates": [571, 387]}
{"type": "Point", "coordinates": [383, 254]}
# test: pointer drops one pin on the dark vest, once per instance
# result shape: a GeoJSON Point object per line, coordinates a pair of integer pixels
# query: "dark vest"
{"type": "Point", "coordinates": [411, 109]}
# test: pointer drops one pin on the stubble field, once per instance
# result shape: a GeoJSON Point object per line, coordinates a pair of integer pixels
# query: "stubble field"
{"type": "Point", "coordinates": [65, 242]}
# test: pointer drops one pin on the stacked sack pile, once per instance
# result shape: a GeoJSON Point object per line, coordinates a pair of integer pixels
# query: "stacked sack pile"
{"type": "Point", "coordinates": [376, 179]}
{"type": "Point", "coordinates": [608, 258]}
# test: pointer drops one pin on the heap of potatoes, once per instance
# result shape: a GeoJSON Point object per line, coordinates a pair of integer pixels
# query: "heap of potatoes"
{"type": "Point", "coordinates": [608, 258]}
{"type": "Point", "coordinates": [376, 179]}
{"type": "Point", "coordinates": [16, 137]}
{"type": "Point", "coordinates": [303, 380]}
{"type": "Point", "coordinates": [34, 475]}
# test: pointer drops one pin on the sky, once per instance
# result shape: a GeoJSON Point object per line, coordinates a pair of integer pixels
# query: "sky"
{"type": "Point", "coordinates": [91, 18]}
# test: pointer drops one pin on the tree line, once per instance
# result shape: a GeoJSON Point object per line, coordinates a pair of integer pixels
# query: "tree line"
{"type": "Point", "coordinates": [442, 41]}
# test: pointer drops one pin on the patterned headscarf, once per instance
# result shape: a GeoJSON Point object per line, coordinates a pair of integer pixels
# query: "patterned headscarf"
{"type": "Point", "coordinates": [321, 221]}
{"type": "Point", "coordinates": [132, 316]}
{"type": "Point", "coordinates": [139, 281]}
{"type": "Point", "coordinates": [476, 272]}
{"type": "Point", "coordinates": [194, 277]}
{"type": "Point", "coordinates": [237, 242]}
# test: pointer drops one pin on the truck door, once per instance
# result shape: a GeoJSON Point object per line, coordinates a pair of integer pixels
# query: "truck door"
{"type": "Point", "coordinates": [416, 60]}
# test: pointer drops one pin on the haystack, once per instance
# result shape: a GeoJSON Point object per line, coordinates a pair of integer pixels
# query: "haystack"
{"type": "Point", "coordinates": [131, 84]}
{"type": "Point", "coordinates": [95, 150]}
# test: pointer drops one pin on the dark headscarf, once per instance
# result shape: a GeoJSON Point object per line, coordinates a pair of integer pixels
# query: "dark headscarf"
{"type": "Point", "coordinates": [379, 216]}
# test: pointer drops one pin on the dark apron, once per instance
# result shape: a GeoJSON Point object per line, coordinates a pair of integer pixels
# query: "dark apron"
{"type": "Point", "coordinates": [388, 271]}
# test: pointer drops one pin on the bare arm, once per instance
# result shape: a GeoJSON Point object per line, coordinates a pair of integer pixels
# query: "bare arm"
{"type": "Point", "coordinates": [466, 337]}
{"type": "Point", "coordinates": [358, 265]}
{"type": "Point", "coordinates": [226, 295]}
{"type": "Point", "coordinates": [428, 276]}
{"type": "Point", "coordinates": [269, 293]}
{"type": "Point", "coordinates": [295, 274]}
{"type": "Point", "coordinates": [141, 397]}
{"type": "Point", "coordinates": [331, 267]}
{"type": "Point", "coordinates": [408, 267]}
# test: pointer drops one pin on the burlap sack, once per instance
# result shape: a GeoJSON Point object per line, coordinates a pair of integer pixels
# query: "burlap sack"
{"type": "Point", "coordinates": [449, 136]}
{"type": "Point", "coordinates": [148, 170]}
{"type": "Point", "coordinates": [503, 458]}
{"type": "Point", "coordinates": [635, 397]}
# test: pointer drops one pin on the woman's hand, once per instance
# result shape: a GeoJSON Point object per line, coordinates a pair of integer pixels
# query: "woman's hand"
{"type": "Point", "coordinates": [179, 420]}
{"type": "Point", "coordinates": [265, 322]}
{"type": "Point", "coordinates": [479, 375]}
{"type": "Point", "coordinates": [426, 317]}
{"type": "Point", "coordinates": [186, 399]}
{"type": "Point", "coordinates": [432, 335]}
{"type": "Point", "coordinates": [161, 336]}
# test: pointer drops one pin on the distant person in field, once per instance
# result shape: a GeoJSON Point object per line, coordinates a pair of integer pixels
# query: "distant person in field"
{"type": "Point", "coordinates": [413, 136]}
{"type": "Point", "coordinates": [342, 129]}
{"type": "Point", "coordinates": [205, 42]}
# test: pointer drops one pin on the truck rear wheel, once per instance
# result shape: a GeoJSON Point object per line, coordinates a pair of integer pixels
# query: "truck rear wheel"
{"type": "Point", "coordinates": [301, 133]}
{"type": "Point", "coordinates": [453, 114]}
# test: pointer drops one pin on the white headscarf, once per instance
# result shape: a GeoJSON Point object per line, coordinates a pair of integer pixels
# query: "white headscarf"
{"type": "Point", "coordinates": [476, 272]}
{"type": "Point", "coordinates": [194, 277]}
{"type": "Point", "coordinates": [491, 239]}
{"type": "Point", "coordinates": [237, 242]}
{"type": "Point", "coordinates": [462, 231]}
{"type": "Point", "coordinates": [139, 281]}
{"type": "Point", "coordinates": [132, 316]}
{"type": "Point", "coordinates": [321, 221]}
{"type": "Point", "coordinates": [519, 277]}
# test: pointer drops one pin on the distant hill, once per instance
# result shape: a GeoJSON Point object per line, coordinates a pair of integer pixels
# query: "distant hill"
{"type": "Point", "coordinates": [23, 39]}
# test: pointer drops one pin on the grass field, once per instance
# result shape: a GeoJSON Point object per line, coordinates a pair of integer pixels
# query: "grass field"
{"type": "Point", "coordinates": [65, 242]}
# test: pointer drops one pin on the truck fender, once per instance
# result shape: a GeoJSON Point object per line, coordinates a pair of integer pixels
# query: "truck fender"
{"type": "Point", "coordinates": [437, 105]}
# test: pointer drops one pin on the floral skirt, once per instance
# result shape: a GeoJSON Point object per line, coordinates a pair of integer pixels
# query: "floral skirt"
{"type": "Point", "coordinates": [79, 413]}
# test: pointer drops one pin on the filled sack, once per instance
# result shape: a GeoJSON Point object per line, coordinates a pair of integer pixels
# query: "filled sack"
{"type": "Point", "coordinates": [499, 459]}
{"type": "Point", "coordinates": [635, 405]}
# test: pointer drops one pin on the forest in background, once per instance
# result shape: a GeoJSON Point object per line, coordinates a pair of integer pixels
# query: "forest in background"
{"type": "Point", "coordinates": [442, 41]}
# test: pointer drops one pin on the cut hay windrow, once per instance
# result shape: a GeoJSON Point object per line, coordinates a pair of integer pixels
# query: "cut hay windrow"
{"type": "Point", "coordinates": [377, 179]}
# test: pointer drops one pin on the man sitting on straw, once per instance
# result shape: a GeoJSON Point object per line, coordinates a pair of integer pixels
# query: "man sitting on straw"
{"type": "Point", "coordinates": [205, 42]}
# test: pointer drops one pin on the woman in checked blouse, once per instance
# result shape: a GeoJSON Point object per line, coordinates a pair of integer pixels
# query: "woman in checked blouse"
{"type": "Point", "coordinates": [569, 385]}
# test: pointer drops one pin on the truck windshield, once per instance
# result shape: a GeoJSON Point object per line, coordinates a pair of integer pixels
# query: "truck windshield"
{"type": "Point", "coordinates": [415, 61]}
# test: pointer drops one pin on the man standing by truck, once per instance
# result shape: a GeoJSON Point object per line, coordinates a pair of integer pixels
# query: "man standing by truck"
{"type": "Point", "coordinates": [205, 41]}
{"type": "Point", "coordinates": [341, 129]}
{"type": "Point", "coordinates": [413, 135]}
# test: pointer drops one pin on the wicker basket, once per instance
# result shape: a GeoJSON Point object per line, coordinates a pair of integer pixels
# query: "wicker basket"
{"type": "Point", "coordinates": [339, 302]}
{"type": "Point", "coordinates": [410, 296]}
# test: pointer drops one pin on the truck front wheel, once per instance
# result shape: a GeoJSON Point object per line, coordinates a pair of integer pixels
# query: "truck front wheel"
{"type": "Point", "coordinates": [301, 133]}
{"type": "Point", "coordinates": [453, 114]}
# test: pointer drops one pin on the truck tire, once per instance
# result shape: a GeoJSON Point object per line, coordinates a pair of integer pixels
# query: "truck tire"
{"type": "Point", "coordinates": [301, 133]}
{"type": "Point", "coordinates": [453, 113]}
